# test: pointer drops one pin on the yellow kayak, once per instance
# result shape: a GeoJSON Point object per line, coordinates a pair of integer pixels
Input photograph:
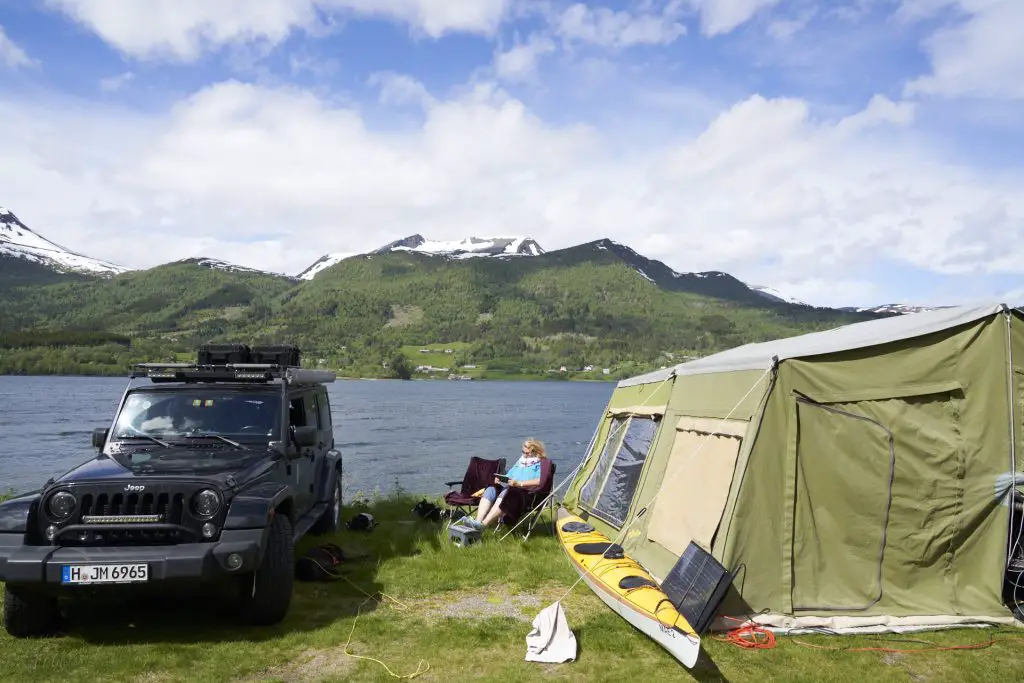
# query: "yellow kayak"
{"type": "Point", "coordinates": [625, 586]}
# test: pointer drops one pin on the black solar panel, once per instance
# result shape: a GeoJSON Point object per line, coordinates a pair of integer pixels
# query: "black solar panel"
{"type": "Point", "coordinates": [696, 586]}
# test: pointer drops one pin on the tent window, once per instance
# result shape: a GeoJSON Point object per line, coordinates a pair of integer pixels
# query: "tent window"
{"type": "Point", "coordinates": [592, 489]}
{"type": "Point", "coordinates": [695, 486]}
{"type": "Point", "coordinates": [617, 494]}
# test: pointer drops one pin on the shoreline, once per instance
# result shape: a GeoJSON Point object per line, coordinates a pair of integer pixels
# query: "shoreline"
{"type": "Point", "coordinates": [510, 378]}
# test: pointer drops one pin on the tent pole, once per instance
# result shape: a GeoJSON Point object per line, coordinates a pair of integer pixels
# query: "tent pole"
{"type": "Point", "coordinates": [1011, 404]}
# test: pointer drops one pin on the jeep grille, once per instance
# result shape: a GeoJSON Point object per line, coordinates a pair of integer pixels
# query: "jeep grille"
{"type": "Point", "coordinates": [161, 516]}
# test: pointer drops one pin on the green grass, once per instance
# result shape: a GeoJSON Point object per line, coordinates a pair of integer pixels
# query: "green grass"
{"type": "Point", "coordinates": [464, 612]}
{"type": "Point", "coordinates": [436, 357]}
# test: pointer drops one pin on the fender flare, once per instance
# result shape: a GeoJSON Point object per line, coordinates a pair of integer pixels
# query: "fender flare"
{"type": "Point", "coordinates": [330, 472]}
{"type": "Point", "coordinates": [18, 514]}
{"type": "Point", "coordinates": [254, 508]}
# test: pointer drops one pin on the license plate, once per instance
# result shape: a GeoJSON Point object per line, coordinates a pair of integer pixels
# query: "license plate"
{"type": "Point", "coordinates": [104, 573]}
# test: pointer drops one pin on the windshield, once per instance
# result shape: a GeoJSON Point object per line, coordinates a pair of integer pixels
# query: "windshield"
{"type": "Point", "coordinates": [168, 415]}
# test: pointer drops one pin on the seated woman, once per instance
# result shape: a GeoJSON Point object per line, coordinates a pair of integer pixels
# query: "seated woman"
{"type": "Point", "coordinates": [525, 473]}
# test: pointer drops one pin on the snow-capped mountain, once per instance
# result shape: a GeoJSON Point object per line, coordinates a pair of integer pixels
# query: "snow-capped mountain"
{"type": "Point", "coordinates": [710, 283]}
{"type": "Point", "coordinates": [18, 241]}
{"type": "Point", "coordinates": [466, 248]}
{"type": "Point", "coordinates": [323, 263]}
{"type": "Point", "coordinates": [470, 247]}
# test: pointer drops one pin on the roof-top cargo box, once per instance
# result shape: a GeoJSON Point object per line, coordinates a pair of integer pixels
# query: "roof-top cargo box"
{"type": "Point", "coordinates": [222, 354]}
{"type": "Point", "coordinates": [285, 355]}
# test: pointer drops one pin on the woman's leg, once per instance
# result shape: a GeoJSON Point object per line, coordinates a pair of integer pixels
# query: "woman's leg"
{"type": "Point", "coordinates": [485, 502]}
{"type": "Point", "coordinates": [494, 512]}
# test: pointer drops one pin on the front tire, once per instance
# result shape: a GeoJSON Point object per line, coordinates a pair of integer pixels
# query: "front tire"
{"type": "Point", "coordinates": [266, 594]}
{"type": "Point", "coordinates": [28, 613]}
{"type": "Point", "coordinates": [330, 522]}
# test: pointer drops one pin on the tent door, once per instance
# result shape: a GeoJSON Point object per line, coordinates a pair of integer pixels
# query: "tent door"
{"type": "Point", "coordinates": [845, 468]}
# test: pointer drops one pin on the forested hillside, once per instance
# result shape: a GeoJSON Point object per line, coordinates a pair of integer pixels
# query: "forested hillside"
{"type": "Point", "coordinates": [585, 306]}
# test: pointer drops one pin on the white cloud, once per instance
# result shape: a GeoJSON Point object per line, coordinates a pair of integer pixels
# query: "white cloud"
{"type": "Point", "coordinates": [609, 28]}
{"type": "Point", "coordinates": [400, 89]}
{"type": "Point", "coordinates": [785, 28]}
{"type": "Point", "coordinates": [275, 178]}
{"type": "Point", "coordinates": [319, 67]}
{"type": "Point", "coordinates": [976, 56]}
{"type": "Point", "coordinates": [11, 55]}
{"type": "Point", "coordinates": [183, 29]}
{"type": "Point", "coordinates": [718, 17]}
{"type": "Point", "coordinates": [115, 83]}
{"type": "Point", "coordinates": [520, 61]}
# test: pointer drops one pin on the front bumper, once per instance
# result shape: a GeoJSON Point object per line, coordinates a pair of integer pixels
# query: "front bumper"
{"type": "Point", "coordinates": [28, 564]}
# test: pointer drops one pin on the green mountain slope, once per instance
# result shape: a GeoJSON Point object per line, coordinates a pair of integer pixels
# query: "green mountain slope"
{"type": "Point", "coordinates": [175, 297]}
{"type": "Point", "coordinates": [592, 305]}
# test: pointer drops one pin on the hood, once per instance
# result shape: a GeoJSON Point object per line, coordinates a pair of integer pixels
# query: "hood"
{"type": "Point", "coordinates": [134, 463]}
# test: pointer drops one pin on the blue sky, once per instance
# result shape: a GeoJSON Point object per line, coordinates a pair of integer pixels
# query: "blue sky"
{"type": "Point", "coordinates": [850, 152]}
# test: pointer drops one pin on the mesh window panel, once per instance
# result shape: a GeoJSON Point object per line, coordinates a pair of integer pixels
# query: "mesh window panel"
{"type": "Point", "coordinates": [617, 495]}
{"type": "Point", "coordinates": [592, 489]}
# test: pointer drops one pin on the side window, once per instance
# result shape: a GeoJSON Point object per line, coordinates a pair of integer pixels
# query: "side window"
{"type": "Point", "coordinates": [313, 411]}
{"type": "Point", "coordinates": [297, 412]}
{"type": "Point", "coordinates": [325, 411]}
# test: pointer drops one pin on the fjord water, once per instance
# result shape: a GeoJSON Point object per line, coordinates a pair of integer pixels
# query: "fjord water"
{"type": "Point", "coordinates": [418, 434]}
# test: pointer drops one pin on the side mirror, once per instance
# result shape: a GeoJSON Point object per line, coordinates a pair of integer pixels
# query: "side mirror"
{"type": "Point", "coordinates": [306, 436]}
{"type": "Point", "coordinates": [99, 437]}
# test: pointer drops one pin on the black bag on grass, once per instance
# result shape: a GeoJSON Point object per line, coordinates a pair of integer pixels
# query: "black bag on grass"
{"type": "Point", "coordinates": [364, 521]}
{"type": "Point", "coordinates": [427, 510]}
{"type": "Point", "coordinates": [320, 563]}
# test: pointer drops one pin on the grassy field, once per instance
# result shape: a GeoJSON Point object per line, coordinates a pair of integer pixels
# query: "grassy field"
{"type": "Point", "coordinates": [453, 615]}
{"type": "Point", "coordinates": [435, 356]}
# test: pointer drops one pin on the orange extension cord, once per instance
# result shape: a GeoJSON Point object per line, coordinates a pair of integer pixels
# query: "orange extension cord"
{"type": "Point", "coordinates": [749, 636]}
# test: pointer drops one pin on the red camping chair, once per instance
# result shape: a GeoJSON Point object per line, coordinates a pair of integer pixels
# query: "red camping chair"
{"type": "Point", "coordinates": [530, 501]}
{"type": "Point", "coordinates": [479, 474]}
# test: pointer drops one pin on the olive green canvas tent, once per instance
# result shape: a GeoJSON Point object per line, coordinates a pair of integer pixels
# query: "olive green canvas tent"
{"type": "Point", "coordinates": [856, 479]}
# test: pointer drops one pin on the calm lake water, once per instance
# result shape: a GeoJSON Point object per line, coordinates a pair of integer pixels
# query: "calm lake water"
{"type": "Point", "coordinates": [418, 434]}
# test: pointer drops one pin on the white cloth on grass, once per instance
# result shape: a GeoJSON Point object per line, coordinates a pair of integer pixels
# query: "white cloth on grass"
{"type": "Point", "coordinates": [551, 639]}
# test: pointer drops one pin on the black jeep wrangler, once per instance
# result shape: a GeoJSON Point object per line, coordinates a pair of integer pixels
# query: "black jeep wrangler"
{"type": "Point", "coordinates": [209, 471]}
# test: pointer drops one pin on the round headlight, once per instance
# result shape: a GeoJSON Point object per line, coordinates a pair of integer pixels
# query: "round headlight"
{"type": "Point", "coordinates": [207, 503]}
{"type": "Point", "coordinates": [61, 505]}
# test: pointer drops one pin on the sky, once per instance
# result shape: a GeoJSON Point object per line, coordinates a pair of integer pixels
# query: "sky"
{"type": "Point", "coordinates": [843, 152]}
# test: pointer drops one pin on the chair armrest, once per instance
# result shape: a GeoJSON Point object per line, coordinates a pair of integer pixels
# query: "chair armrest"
{"type": "Point", "coordinates": [452, 483]}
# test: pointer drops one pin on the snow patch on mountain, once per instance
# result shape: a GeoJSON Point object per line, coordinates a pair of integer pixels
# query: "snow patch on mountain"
{"type": "Point", "coordinates": [18, 241]}
{"type": "Point", "coordinates": [469, 247]}
{"type": "Point", "coordinates": [645, 276]}
{"type": "Point", "coordinates": [324, 263]}
{"type": "Point", "coordinates": [775, 295]}
{"type": "Point", "coordinates": [900, 309]}
{"type": "Point", "coordinates": [215, 264]}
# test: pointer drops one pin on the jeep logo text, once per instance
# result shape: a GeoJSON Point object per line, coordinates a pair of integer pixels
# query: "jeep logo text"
{"type": "Point", "coordinates": [134, 487]}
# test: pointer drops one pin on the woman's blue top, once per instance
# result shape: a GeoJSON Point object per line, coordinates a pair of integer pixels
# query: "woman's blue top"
{"type": "Point", "coordinates": [521, 472]}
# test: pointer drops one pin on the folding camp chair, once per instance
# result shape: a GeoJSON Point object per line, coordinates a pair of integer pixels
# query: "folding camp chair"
{"type": "Point", "coordinates": [479, 474]}
{"type": "Point", "coordinates": [536, 499]}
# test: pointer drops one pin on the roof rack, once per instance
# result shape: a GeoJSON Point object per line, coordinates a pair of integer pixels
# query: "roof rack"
{"type": "Point", "coordinates": [254, 373]}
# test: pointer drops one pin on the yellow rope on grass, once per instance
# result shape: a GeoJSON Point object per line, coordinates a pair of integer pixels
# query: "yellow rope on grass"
{"type": "Point", "coordinates": [420, 670]}
{"type": "Point", "coordinates": [419, 667]}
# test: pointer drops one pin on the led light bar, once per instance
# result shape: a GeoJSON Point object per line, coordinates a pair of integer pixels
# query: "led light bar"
{"type": "Point", "coordinates": [122, 519]}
